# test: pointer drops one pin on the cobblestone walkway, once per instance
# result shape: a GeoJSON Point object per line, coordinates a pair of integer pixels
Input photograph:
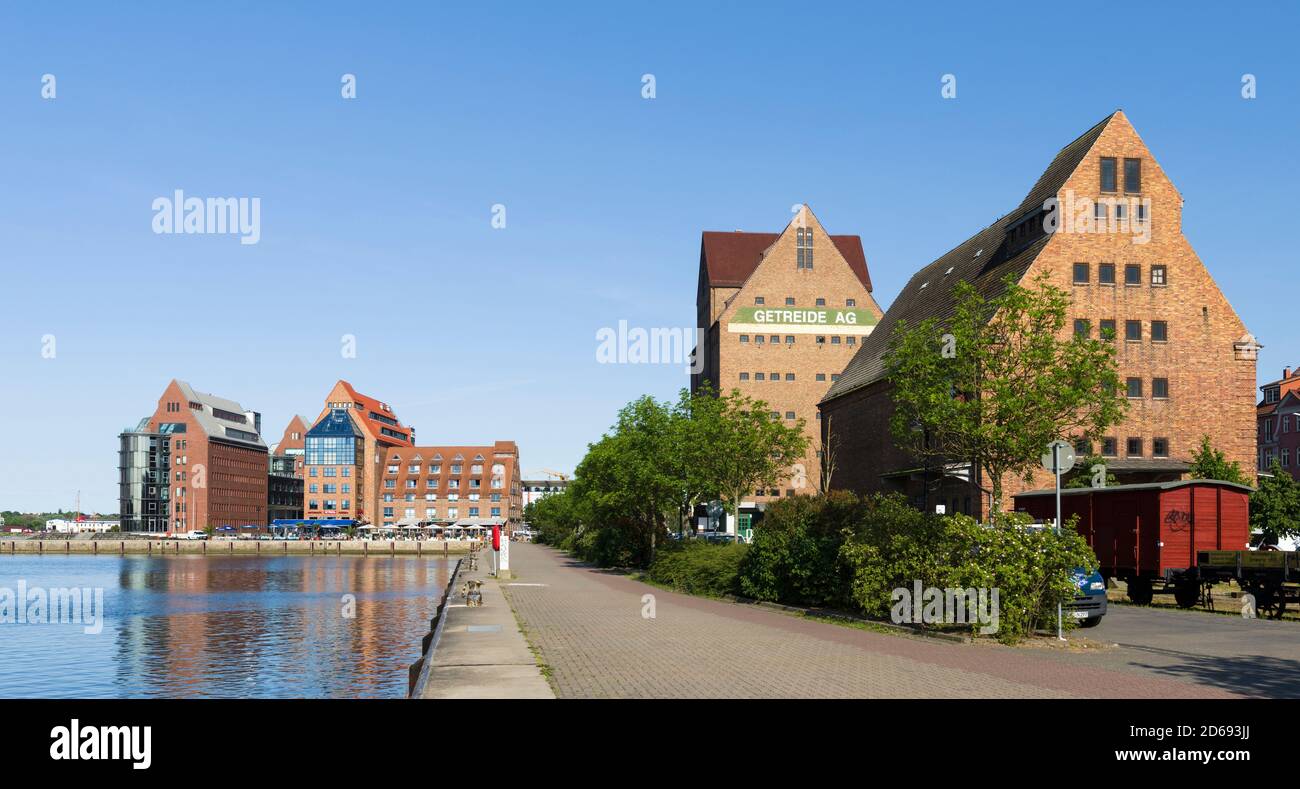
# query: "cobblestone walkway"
{"type": "Point", "coordinates": [588, 626]}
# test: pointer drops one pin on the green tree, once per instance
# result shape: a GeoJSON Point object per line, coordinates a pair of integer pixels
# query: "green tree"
{"type": "Point", "coordinates": [630, 481]}
{"type": "Point", "coordinates": [745, 446]}
{"type": "Point", "coordinates": [1081, 475]}
{"type": "Point", "coordinates": [1211, 463]}
{"type": "Point", "coordinates": [697, 419]}
{"type": "Point", "coordinates": [1275, 505]}
{"type": "Point", "coordinates": [996, 382]}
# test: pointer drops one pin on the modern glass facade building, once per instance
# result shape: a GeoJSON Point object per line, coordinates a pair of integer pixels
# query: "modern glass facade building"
{"type": "Point", "coordinates": [144, 492]}
{"type": "Point", "coordinates": [335, 483]}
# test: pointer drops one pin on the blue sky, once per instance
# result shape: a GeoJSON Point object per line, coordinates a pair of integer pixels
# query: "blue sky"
{"type": "Point", "coordinates": [375, 217]}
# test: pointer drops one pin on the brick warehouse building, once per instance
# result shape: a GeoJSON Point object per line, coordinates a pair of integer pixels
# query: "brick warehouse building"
{"type": "Point", "coordinates": [198, 462]}
{"type": "Point", "coordinates": [784, 314]}
{"type": "Point", "coordinates": [454, 483]}
{"type": "Point", "coordinates": [363, 464]}
{"type": "Point", "coordinates": [343, 452]}
{"type": "Point", "coordinates": [1186, 357]}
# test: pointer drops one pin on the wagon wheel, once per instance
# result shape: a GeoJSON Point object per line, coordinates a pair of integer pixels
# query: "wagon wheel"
{"type": "Point", "coordinates": [1139, 591]}
{"type": "Point", "coordinates": [1269, 601]}
{"type": "Point", "coordinates": [1187, 594]}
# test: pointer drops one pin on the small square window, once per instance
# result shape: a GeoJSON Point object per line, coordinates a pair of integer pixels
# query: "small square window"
{"type": "Point", "coordinates": [758, 299]}
{"type": "Point", "coordinates": [821, 339]}
{"type": "Point", "coordinates": [1133, 447]}
{"type": "Point", "coordinates": [1132, 274]}
{"type": "Point", "coordinates": [774, 376]}
{"type": "Point", "coordinates": [1160, 447]}
{"type": "Point", "coordinates": [759, 339]}
{"type": "Point", "coordinates": [835, 340]}
{"type": "Point", "coordinates": [1134, 387]}
{"type": "Point", "coordinates": [821, 302]}
{"type": "Point", "coordinates": [1081, 274]}
{"type": "Point", "coordinates": [789, 301]}
{"type": "Point", "coordinates": [1133, 331]}
{"type": "Point", "coordinates": [776, 339]}
{"type": "Point", "coordinates": [1108, 329]}
{"type": "Point", "coordinates": [1106, 273]}
{"type": "Point", "coordinates": [789, 376]}
{"type": "Point", "coordinates": [744, 338]}
{"type": "Point", "coordinates": [760, 377]}
{"type": "Point", "coordinates": [850, 340]}
{"type": "Point", "coordinates": [1159, 331]}
{"type": "Point", "coordinates": [835, 376]}
{"type": "Point", "coordinates": [789, 414]}
{"type": "Point", "coordinates": [789, 339]}
{"type": "Point", "coordinates": [744, 376]}
{"type": "Point", "coordinates": [1109, 447]}
{"type": "Point", "coordinates": [1158, 275]}
{"type": "Point", "coordinates": [821, 376]}
{"type": "Point", "coordinates": [1082, 447]}
{"type": "Point", "coordinates": [1082, 327]}
{"type": "Point", "coordinates": [850, 303]}
{"type": "Point", "coordinates": [1160, 388]}
{"type": "Point", "coordinates": [1108, 179]}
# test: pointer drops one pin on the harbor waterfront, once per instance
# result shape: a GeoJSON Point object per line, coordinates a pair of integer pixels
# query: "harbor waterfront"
{"type": "Point", "coordinates": [182, 626]}
{"type": "Point", "coordinates": [239, 547]}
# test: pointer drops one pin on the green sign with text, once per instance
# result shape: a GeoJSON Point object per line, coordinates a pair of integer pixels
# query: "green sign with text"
{"type": "Point", "coordinates": [829, 319]}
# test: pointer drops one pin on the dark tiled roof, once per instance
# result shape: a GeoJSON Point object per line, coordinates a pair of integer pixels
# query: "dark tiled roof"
{"type": "Point", "coordinates": [729, 258]}
{"type": "Point", "coordinates": [983, 260]}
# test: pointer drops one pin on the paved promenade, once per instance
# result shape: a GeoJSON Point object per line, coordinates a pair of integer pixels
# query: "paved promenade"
{"type": "Point", "coordinates": [481, 653]}
{"type": "Point", "coordinates": [590, 631]}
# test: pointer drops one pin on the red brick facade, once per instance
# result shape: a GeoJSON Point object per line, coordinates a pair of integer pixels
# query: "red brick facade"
{"type": "Point", "coordinates": [785, 360]}
{"type": "Point", "coordinates": [1178, 338]}
{"type": "Point", "coordinates": [446, 484]}
{"type": "Point", "coordinates": [1278, 421]}
{"type": "Point", "coordinates": [215, 481]}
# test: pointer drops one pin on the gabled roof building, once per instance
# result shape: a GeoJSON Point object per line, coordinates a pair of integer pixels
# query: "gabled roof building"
{"type": "Point", "coordinates": [782, 314]}
{"type": "Point", "coordinates": [1105, 223]}
{"type": "Point", "coordinates": [198, 462]}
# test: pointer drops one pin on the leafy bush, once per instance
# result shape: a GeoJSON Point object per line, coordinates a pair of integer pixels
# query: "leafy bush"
{"type": "Point", "coordinates": [1031, 569]}
{"type": "Point", "coordinates": [699, 567]}
{"type": "Point", "coordinates": [893, 546]}
{"type": "Point", "coordinates": [794, 555]}
{"type": "Point", "coordinates": [843, 551]}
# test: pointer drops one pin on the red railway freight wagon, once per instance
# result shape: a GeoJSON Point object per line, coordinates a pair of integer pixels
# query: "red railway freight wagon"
{"type": "Point", "coordinates": [1149, 534]}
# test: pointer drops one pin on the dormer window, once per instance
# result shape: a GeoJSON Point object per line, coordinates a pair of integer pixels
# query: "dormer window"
{"type": "Point", "coordinates": [803, 242]}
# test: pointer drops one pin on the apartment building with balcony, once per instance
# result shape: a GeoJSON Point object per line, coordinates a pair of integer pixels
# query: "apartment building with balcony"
{"type": "Point", "coordinates": [446, 484]}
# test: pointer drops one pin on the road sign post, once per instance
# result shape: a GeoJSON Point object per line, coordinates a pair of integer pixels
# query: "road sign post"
{"type": "Point", "coordinates": [1058, 459]}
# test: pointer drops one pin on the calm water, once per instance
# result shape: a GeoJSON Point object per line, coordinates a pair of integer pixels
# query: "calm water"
{"type": "Point", "coordinates": [185, 626]}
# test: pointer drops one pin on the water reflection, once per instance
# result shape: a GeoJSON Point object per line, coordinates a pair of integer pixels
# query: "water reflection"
{"type": "Point", "coordinates": [232, 626]}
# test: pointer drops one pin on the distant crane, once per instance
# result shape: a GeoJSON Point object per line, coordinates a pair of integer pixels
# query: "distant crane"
{"type": "Point", "coordinates": [553, 473]}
